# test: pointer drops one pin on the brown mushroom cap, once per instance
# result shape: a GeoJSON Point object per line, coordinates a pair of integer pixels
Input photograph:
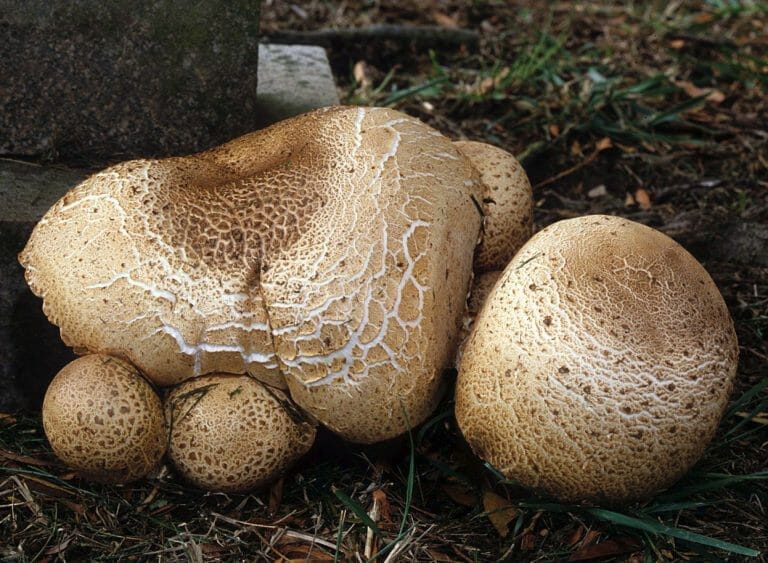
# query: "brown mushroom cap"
{"type": "Point", "coordinates": [507, 204]}
{"type": "Point", "coordinates": [104, 420]}
{"type": "Point", "coordinates": [231, 433]}
{"type": "Point", "coordinates": [333, 250]}
{"type": "Point", "coordinates": [601, 364]}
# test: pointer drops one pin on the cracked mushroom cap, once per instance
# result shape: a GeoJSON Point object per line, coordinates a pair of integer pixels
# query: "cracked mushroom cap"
{"type": "Point", "coordinates": [601, 364]}
{"type": "Point", "coordinates": [232, 433]}
{"type": "Point", "coordinates": [330, 253]}
{"type": "Point", "coordinates": [104, 420]}
{"type": "Point", "coordinates": [507, 204]}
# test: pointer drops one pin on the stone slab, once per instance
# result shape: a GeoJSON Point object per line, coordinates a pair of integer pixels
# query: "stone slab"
{"type": "Point", "coordinates": [292, 80]}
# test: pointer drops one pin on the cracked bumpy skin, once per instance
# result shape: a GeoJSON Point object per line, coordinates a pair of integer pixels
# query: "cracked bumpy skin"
{"type": "Point", "coordinates": [329, 254]}
{"type": "Point", "coordinates": [601, 364]}
{"type": "Point", "coordinates": [231, 433]}
{"type": "Point", "coordinates": [104, 420]}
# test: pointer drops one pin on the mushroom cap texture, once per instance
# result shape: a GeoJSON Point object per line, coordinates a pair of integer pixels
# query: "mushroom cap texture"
{"type": "Point", "coordinates": [507, 204]}
{"type": "Point", "coordinates": [330, 253]}
{"type": "Point", "coordinates": [231, 433]}
{"type": "Point", "coordinates": [104, 420]}
{"type": "Point", "coordinates": [601, 364]}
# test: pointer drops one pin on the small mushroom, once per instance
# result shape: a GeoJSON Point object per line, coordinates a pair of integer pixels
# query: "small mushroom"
{"type": "Point", "coordinates": [231, 433]}
{"type": "Point", "coordinates": [601, 364]}
{"type": "Point", "coordinates": [104, 420]}
{"type": "Point", "coordinates": [507, 204]}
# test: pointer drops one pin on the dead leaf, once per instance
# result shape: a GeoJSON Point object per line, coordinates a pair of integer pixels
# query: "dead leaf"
{"type": "Point", "coordinates": [575, 536]}
{"type": "Point", "coordinates": [713, 95]}
{"type": "Point", "coordinates": [276, 495]}
{"type": "Point", "coordinates": [60, 547]}
{"type": "Point", "coordinates": [445, 20]}
{"type": "Point", "coordinates": [490, 83]}
{"type": "Point", "coordinates": [703, 17]}
{"type": "Point", "coordinates": [500, 512]}
{"type": "Point", "coordinates": [597, 191]}
{"type": "Point", "coordinates": [607, 548]}
{"type": "Point", "coordinates": [603, 144]}
{"type": "Point", "coordinates": [460, 494]}
{"type": "Point", "coordinates": [380, 497]}
{"type": "Point", "coordinates": [576, 149]}
{"type": "Point", "coordinates": [677, 44]}
{"type": "Point", "coordinates": [643, 199]}
{"type": "Point", "coordinates": [527, 542]}
{"type": "Point", "coordinates": [12, 456]}
{"type": "Point", "coordinates": [440, 556]}
{"type": "Point", "coordinates": [40, 485]}
{"type": "Point", "coordinates": [554, 130]}
{"type": "Point", "coordinates": [361, 74]}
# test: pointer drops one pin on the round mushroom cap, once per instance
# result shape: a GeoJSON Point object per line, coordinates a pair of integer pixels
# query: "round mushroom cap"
{"type": "Point", "coordinates": [482, 284]}
{"type": "Point", "coordinates": [507, 204]}
{"type": "Point", "coordinates": [231, 433]}
{"type": "Point", "coordinates": [104, 420]}
{"type": "Point", "coordinates": [330, 253]}
{"type": "Point", "coordinates": [601, 364]}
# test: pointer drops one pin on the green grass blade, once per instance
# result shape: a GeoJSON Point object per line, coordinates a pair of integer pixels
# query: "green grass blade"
{"type": "Point", "coordinates": [675, 506]}
{"type": "Point", "coordinates": [674, 113]}
{"type": "Point", "coordinates": [358, 510]}
{"type": "Point", "coordinates": [339, 536]}
{"type": "Point", "coordinates": [654, 527]}
{"type": "Point", "coordinates": [711, 482]}
{"type": "Point", "coordinates": [413, 90]}
{"type": "Point", "coordinates": [740, 403]}
{"type": "Point", "coordinates": [408, 495]}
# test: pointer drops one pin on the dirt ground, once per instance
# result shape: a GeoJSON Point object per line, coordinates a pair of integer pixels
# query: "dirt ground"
{"type": "Point", "coordinates": [652, 111]}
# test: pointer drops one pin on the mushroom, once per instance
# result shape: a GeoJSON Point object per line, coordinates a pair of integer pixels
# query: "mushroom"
{"type": "Point", "coordinates": [601, 364]}
{"type": "Point", "coordinates": [329, 255]}
{"type": "Point", "coordinates": [232, 433]}
{"type": "Point", "coordinates": [507, 204]}
{"type": "Point", "coordinates": [104, 420]}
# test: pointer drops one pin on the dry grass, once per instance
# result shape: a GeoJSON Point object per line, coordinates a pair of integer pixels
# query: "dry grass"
{"type": "Point", "coordinates": [679, 91]}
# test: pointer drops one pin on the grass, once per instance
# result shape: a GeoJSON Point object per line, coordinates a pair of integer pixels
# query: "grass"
{"type": "Point", "coordinates": [679, 90]}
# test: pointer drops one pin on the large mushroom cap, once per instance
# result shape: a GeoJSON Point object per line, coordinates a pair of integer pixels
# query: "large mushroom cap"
{"type": "Point", "coordinates": [231, 433]}
{"type": "Point", "coordinates": [601, 364]}
{"type": "Point", "coordinates": [104, 420]}
{"type": "Point", "coordinates": [333, 249]}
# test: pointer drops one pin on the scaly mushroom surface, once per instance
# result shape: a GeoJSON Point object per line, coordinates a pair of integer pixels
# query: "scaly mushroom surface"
{"type": "Point", "coordinates": [329, 254]}
{"type": "Point", "coordinates": [601, 364]}
{"type": "Point", "coordinates": [231, 433]}
{"type": "Point", "coordinates": [103, 419]}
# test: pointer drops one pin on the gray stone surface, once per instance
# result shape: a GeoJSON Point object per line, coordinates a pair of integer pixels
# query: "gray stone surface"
{"type": "Point", "coordinates": [292, 80]}
{"type": "Point", "coordinates": [97, 78]}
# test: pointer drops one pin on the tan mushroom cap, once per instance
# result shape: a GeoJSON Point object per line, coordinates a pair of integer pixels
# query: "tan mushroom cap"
{"type": "Point", "coordinates": [103, 419]}
{"type": "Point", "coordinates": [231, 433]}
{"type": "Point", "coordinates": [482, 284]}
{"type": "Point", "coordinates": [600, 365]}
{"type": "Point", "coordinates": [507, 204]}
{"type": "Point", "coordinates": [333, 250]}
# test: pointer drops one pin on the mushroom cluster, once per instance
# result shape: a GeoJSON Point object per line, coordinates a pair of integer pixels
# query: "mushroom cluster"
{"type": "Point", "coordinates": [314, 271]}
{"type": "Point", "coordinates": [600, 365]}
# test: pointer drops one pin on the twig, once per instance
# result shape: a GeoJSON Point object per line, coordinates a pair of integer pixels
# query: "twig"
{"type": "Point", "coordinates": [417, 34]}
{"type": "Point", "coordinates": [600, 147]}
{"type": "Point", "coordinates": [705, 41]}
